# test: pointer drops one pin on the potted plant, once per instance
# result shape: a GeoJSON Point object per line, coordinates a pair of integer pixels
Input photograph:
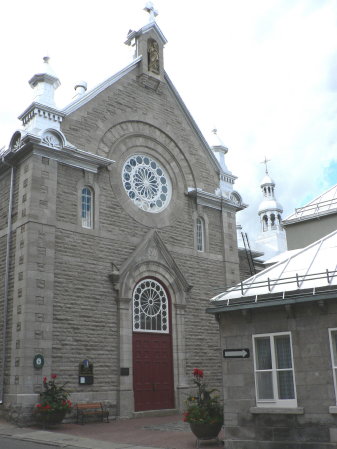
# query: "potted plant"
{"type": "Point", "coordinates": [203, 412]}
{"type": "Point", "coordinates": [54, 403]}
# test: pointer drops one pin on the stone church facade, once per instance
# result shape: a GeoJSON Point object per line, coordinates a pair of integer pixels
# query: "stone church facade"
{"type": "Point", "coordinates": [112, 239]}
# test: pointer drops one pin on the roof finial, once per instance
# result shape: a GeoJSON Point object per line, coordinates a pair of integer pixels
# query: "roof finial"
{"type": "Point", "coordinates": [266, 162]}
{"type": "Point", "coordinates": [152, 11]}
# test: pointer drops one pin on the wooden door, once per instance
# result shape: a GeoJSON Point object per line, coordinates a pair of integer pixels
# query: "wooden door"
{"type": "Point", "coordinates": [152, 347]}
{"type": "Point", "coordinates": [152, 371]}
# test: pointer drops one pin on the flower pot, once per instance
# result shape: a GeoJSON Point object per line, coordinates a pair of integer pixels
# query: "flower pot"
{"type": "Point", "coordinates": [51, 418]}
{"type": "Point", "coordinates": [206, 431]}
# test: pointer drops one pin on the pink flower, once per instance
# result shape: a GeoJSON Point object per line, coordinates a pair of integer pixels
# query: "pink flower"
{"type": "Point", "coordinates": [53, 376]}
{"type": "Point", "coordinates": [44, 380]}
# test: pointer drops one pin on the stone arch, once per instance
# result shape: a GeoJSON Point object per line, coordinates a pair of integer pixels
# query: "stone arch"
{"type": "Point", "coordinates": [129, 138]}
{"type": "Point", "coordinates": [116, 139]}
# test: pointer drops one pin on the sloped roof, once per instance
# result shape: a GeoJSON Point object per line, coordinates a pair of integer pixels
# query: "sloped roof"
{"type": "Point", "coordinates": [304, 275]}
{"type": "Point", "coordinates": [324, 204]}
{"type": "Point", "coordinates": [80, 101]}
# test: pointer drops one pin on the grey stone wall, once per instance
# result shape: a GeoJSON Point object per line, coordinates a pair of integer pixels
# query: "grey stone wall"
{"type": "Point", "coordinates": [64, 304]}
{"type": "Point", "coordinates": [246, 425]}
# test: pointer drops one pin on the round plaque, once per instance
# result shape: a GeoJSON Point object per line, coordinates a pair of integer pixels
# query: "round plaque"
{"type": "Point", "coordinates": [38, 361]}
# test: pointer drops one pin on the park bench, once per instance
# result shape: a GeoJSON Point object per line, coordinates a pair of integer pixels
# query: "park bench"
{"type": "Point", "coordinates": [91, 409]}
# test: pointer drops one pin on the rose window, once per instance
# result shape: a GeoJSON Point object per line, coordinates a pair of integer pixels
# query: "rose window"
{"type": "Point", "coordinates": [150, 307]}
{"type": "Point", "coordinates": [146, 183]}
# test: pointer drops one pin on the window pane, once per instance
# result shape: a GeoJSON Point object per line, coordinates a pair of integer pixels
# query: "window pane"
{"type": "Point", "coordinates": [265, 385]}
{"type": "Point", "coordinates": [334, 346]}
{"type": "Point", "coordinates": [286, 385]}
{"type": "Point", "coordinates": [283, 352]}
{"type": "Point", "coordinates": [200, 235]}
{"type": "Point", "coordinates": [263, 355]}
{"type": "Point", "coordinates": [86, 208]}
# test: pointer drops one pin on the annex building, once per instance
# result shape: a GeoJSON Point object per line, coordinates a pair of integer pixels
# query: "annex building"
{"type": "Point", "coordinates": [117, 223]}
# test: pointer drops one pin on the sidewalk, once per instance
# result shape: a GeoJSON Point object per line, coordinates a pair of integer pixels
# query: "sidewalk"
{"type": "Point", "coordinates": [165, 432]}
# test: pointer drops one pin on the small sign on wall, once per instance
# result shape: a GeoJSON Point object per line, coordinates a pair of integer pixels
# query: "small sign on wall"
{"type": "Point", "coordinates": [242, 353]}
{"type": "Point", "coordinates": [86, 373]}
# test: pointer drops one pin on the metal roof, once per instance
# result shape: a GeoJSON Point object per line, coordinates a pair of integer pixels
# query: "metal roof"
{"type": "Point", "coordinates": [305, 272]}
{"type": "Point", "coordinates": [324, 204]}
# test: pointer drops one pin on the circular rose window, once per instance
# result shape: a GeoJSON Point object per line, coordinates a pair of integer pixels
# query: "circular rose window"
{"type": "Point", "coordinates": [146, 183]}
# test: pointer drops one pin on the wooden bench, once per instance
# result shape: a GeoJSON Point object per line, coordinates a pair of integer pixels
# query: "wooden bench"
{"type": "Point", "coordinates": [91, 409]}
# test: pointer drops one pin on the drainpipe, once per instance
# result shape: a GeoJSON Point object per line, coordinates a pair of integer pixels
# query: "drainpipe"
{"type": "Point", "coordinates": [6, 287]}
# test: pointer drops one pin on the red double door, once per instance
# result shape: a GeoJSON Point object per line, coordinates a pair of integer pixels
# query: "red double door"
{"type": "Point", "coordinates": [152, 371]}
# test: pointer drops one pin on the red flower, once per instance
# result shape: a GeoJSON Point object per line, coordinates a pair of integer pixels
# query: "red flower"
{"type": "Point", "coordinates": [38, 405]}
{"type": "Point", "coordinates": [198, 372]}
{"type": "Point", "coordinates": [44, 380]}
{"type": "Point", "coordinates": [53, 376]}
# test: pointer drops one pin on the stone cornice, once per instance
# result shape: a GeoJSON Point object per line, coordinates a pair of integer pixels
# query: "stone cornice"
{"type": "Point", "coordinates": [213, 201]}
{"type": "Point", "coordinates": [42, 110]}
{"type": "Point", "coordinates": [68, 155]}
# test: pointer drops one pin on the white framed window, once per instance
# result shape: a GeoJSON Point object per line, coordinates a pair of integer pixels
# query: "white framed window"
{"type": "Point", "coordinates": [274, 370]}
{"type": "Point", "coordinates": [200, 234]}
{"type": "Point", "coordinates": [150, 308]}
{"type": "Point", "coordinates": [333, 349]}
{"type": "Point", "coordinates": [87, 208]}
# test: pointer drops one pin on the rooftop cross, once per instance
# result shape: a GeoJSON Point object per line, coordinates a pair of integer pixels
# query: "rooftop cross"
{"type": "Point", "coordinates": [153, 12]}
{"type": "Point", "coordinates": [266, 162]}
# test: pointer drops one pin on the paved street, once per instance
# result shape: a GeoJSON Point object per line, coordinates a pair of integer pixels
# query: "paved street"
{"type": "Point", "coordinates": [12, 443]}
{"type": "Point", "coordinates": [166, 432]}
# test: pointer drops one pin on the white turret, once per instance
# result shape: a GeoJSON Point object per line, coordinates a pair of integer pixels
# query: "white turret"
{"type": "Point", "coordinates": [272, 238]}
{"type": "Point", "coordinates": [42, 114]}
{"type": "Point", "coordinates": [44, 83]}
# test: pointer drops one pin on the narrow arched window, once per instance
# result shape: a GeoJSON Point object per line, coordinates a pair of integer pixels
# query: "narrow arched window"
{"type": "Point", "coordinates": [200, 234]}
{"type": "Point", "coordinates": [272, 221]}
{"type": "Point", "coordinates": [280, 221]}
{"type": "Point", "coordinates": [87, 208]}
{"type": "Point", "coordinates": [265, 223]}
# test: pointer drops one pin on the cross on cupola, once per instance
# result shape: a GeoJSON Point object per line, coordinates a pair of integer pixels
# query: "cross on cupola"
{"type": "Point", "coordinates": [149, 7]}
{"type": "Point", "coordinates": [266, 162]}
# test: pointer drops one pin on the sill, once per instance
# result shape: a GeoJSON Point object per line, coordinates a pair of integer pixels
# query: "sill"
{"type": "Point", "coordinates": [278, 410]}
{"type": "Point", "coordinates": [333, 410]}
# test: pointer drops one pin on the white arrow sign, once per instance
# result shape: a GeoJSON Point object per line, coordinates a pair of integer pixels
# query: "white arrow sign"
{"type": "Point", "coordinates": [236, 353]}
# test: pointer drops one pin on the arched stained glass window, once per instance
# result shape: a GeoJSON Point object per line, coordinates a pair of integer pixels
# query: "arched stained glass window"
{"type": "Point", "coordinates": [200, 234]}
{"type": "Point", "coordinates": [150, 307]}
{"type": "Point", "coordinates": [87, 208]}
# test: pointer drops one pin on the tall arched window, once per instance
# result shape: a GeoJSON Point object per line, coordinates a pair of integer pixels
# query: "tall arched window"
{"type": "Point", "coordinates": [200, 234]}
{"type": "Point", "coordinates": [87, 207]}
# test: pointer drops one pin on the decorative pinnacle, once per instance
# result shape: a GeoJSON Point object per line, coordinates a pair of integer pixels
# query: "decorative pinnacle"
{"type": "Point", "coordinates": [46, 59]}
{"type": "Point", "coordinates": [266, 162]}
{"type": "Point", "coordinates": [152, 11]}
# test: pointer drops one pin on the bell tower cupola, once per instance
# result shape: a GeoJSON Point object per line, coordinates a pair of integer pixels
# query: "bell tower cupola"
{"type": "Point", "coordinates": [149, 44]}
{"type": "Point", "coordinates": [272, 238]}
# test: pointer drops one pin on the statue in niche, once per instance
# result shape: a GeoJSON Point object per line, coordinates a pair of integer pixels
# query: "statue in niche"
{"type": "Point", "coordinates": [153, 56]}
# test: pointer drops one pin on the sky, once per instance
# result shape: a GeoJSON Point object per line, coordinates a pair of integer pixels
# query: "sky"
{"type": "Point", "coordinates": [263, 72]}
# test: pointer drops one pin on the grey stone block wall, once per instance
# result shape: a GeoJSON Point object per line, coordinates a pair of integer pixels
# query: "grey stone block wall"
{"type": "Point", "coordinates": [64, 304]}
{"type": "Point", "coordinates": [244, 427]}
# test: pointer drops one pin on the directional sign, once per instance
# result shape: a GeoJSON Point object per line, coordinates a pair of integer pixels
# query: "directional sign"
{"type": "Point", "coordinates": [236, 353]}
